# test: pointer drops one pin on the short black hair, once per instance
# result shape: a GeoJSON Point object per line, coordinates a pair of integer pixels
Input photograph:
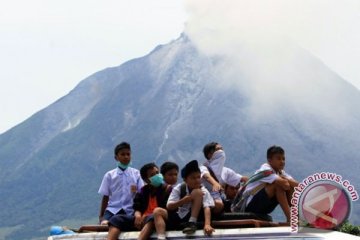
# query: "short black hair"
{"type": "Point", "coordinates": [120, 146]}
{"type": "Point", "coordinates": [167, 166]}
{"type": "Point", "coordinates": [190, 168]}
{"type": "Point", "coordinates": [208, 148]}
{"type": "Point", "coordinates": [144, 169]}
{"type": "Point", "coordinates": [274, 150]}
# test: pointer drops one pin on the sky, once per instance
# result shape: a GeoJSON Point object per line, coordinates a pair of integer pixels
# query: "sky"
{"type": "Point", "coordinates": [47, 47]}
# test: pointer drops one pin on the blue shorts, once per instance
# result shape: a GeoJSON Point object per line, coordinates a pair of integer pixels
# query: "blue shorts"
{"type": "Point", "coordinates": [261, 203]}
{"type": "Point", "coordinates": [123, 222]}
{"type": "Point", "coordinates": [108, 214]}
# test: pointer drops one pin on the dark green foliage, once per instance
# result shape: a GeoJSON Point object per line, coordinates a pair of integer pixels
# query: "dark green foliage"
{"type": "Point", "coordinates": [346, 227]}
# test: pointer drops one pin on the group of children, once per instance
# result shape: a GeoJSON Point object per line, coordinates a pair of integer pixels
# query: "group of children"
{"type": "Point", "coordinates": [151, 199]}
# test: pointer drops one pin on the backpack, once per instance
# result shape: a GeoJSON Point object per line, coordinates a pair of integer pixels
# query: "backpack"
{"type": "Point", "coordinates": [182, 190]}
{"type": "Point", "coordinates": [240, 200]}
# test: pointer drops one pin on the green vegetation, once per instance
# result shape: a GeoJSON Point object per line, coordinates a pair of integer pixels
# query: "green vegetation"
{"type": "Point", "coordinates": [346, 227]}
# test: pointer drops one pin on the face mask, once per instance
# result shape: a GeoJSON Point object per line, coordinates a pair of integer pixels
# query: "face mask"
{"type": "Point", "coordinates": [219, 155]}
{"type": "Point", "coordinates": [157, 180]}
{"type": "Point", "coordinates": [216, 163]}
{"type": "Point", "coordinates": [123, 166]}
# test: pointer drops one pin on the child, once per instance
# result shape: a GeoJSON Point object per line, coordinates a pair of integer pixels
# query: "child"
{"type": "Point", "coordinates": [153, 195]}
{"type": "Point", "coordinates": [119, 186]}
{"type": "Point", "coordinates": [214, 174]}
{"type": "Point", "coordinates": [170, 172]}
{"type": "Point", "coordinates": [186, 201]}
{"type": "Point", "coordinates": [230, 193]}
{"type": "Point", "coordinates": [275, 188]}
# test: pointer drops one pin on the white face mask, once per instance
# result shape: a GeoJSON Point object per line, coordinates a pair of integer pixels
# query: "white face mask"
{"type": "Point", "coordinates": [219, 154]}
{"type": "Point", "coordinates": [216, 162]}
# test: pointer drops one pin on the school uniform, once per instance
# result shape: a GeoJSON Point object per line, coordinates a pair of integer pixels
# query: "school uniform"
{"type": "Point", "coordinates": [183, 213]}
{"type": "Point", "coordinates": [121, 187]}
{"type": "Point", "coordinates": [214, 194]}
{"type": "Point", "coordinates": [228, 176]}
{"type": "Point", "coordinates": [145, 203]}
{"type": "Point", "coordinates": [259, 202]}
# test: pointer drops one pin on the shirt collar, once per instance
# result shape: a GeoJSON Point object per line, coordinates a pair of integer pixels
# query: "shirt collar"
{"type": "Point", "coordinates": [121, 172]}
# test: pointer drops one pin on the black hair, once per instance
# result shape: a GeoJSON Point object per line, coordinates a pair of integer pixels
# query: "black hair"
{"type": "Point", "coordinates": [208, 148]}
{"type": "Point", "coordinates": [167, 166]}
{"type": "Point", "coordinates": [274, 150]}
{"type": "Point", "coordinates": [121, 146]}
{"type": "Point", "coordinates": [144, 169]}
{"type": "Point", "coordinates": [190, 168]}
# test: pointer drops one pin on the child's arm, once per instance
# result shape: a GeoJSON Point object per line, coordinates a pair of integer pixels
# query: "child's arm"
{"type": "Point", "coordinates": [293, 183]}
{"type": "Point", "coordinates": [138, 220]}
{"type": "Point", "coordinates": [176, 204]}
{"type": "Point", "coordinates": [282, 182]}
{"type": "Point", "coordinates": [103, 206]}
{"type": "Point", "coordinates": [208, 230]}
{"type": "Point", "coordinates": [216, 186]}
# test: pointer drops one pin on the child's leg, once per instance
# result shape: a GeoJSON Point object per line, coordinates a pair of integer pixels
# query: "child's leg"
{"type": "Point", "coordinates": [289, 194]}
{"type": "Point", "coordinates": [118, 223]}
{"type": "Point", "coordinates": [114, 233]}
{"type": "Point", "coordinates": [280, 194]}
{"type": "Point", "coordinates": [160, 216]}
{"type": "Point", "coordinates": [219, 206]}
{"type": "Point", "coordinates": [196, 204]}
{"type": "Point", "coordinates": [146, 231]}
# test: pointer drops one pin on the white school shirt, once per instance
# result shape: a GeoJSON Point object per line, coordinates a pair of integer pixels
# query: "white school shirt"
{"type": "Point", "coordinates": [185, 209]}
{"type": "Point", "coordinates": [228, 176]}
{"type": "Point", "coordinates": [269, 179]}
{"type": "Point", "coordinates": [121, 187]}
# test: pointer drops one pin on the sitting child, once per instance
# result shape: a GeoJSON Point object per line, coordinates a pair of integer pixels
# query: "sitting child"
{"type": "Point", "coordinates": [230, 193]}
{"type": "Point", "coordinates": [119, 186]}
{"type": "Point", "coordinates": [170, 171]}
{"type": "Point", "coordinates": [152, 196]}
{"type": "Point", "coordinates": [186, 201]}
{"type": "Point", "coordinates": [215, 175]}
{"type": "Point", "coordinates": [275, 187]}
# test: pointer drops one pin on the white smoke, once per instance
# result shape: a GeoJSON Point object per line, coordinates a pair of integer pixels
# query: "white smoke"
{"type": "Point", "coordinates": [263, 42]}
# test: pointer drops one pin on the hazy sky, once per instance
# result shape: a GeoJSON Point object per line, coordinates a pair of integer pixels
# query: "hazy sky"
{"type": "Point", "coordinates": [47, 46]}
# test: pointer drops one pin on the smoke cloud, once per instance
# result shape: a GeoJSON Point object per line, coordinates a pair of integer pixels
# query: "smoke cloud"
{"type": "Point", "coordinates": [276, 50]}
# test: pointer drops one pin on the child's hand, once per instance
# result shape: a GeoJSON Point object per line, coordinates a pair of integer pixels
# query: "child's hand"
{"type": "Point", "coordinates": [208, 230]}
{"type": "Point", "coordinates": [244, 179]}
{"type": "Point", "coordinates": [101, 218]}
{"type": "Point", "coordinates": [138, 222]}
{"type": "Point", "coordinates": [216, 187]}
{"type": "Point", "coordinates": [187, 199]}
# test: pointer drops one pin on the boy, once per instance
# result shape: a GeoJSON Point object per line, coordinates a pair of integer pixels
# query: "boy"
{"type": "Point", "coordinates": [119, 186]}
{"type": "Point", "coordinates": [187, 199]}
{"type": "Point", "coordinates": [170, 172]}
{"type": "Point", "coordinates": [273, 189]}
{"type": "Point", "coordinates": [153, 195]}
{"type": "Point", "coordinates": [214, 174]}
{"type": "Point", "coordinates": [230, 193]}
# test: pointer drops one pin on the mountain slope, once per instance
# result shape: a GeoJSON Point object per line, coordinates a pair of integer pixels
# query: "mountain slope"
{"type": "Point", "coordinates": [168, 104]}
